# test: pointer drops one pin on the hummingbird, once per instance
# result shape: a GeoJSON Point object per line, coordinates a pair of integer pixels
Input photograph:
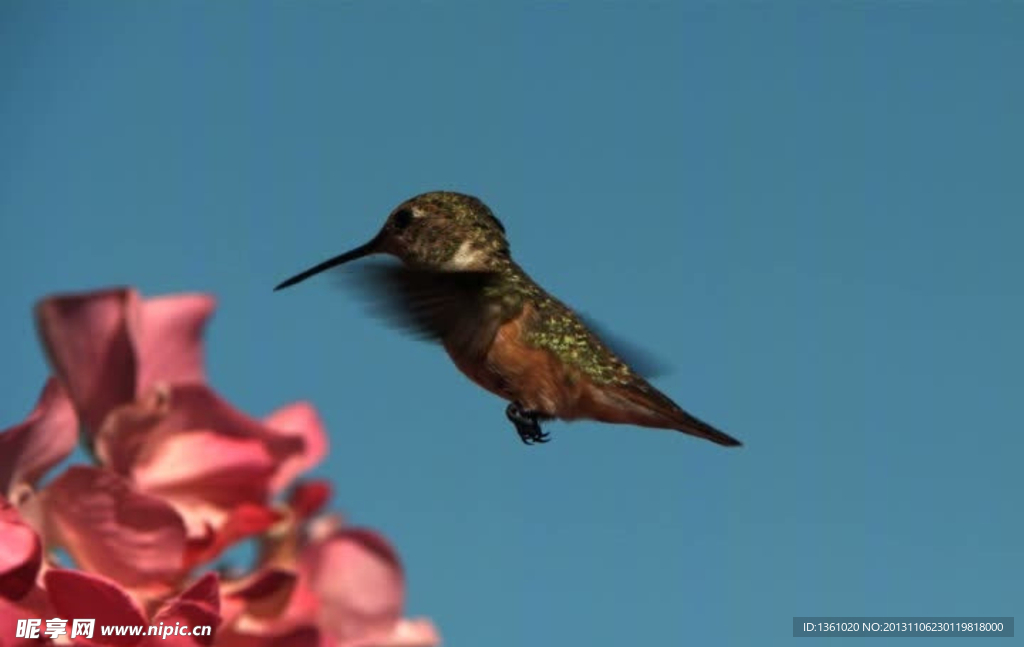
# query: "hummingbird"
{"type": "Point", "coordinates": [457, 285]}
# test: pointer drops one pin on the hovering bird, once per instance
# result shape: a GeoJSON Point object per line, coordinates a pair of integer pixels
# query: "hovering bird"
{"type": "Point", "coordinates": [458, 285]}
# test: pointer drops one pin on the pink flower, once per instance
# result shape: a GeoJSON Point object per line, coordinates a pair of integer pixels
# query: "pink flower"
{"type": "Point", "coordinates": [97, 515]}
{"type": "Point", "coordinates": [32, 606]}
{"type": "Point", "coordinates": [352, 585]}
{"type": "Point", "coordinates": [134, 368]}
{"type": "Point", "coordinates": [74, 594]}
{"type": "Point", "coordinates": [27, 451]}
{"type": "Point", "coordinates": [46, 437]}
{"type": "Point", "coordinates": [68, 594]}
{"type": "Point", "coordinates": [211, 461]}
{"type": "Point", "coordinates": [179, 476]}
{"type": "Point", "coordinates": [137, 541]}
{"type": "Point", "coordinates": [21, 553]}
{"type": "Point", "coordinates": [111, 347]}
{"type": "Point", "coordinates": [109, 527]}
{"type": "Point", "coordinates": [30, 588]}
{"type": "Point", "coordinates": [330, 586]}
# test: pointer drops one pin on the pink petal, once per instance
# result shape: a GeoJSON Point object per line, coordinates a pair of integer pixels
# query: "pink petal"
{"type": "Point", "coordinates": [109, 528]}
{"type": "Point", "coordinates": [168, 342]}
{"type": "Point", "coordinates": [126, 431]}
{"type": "Point", "coordinates": [309, 497]}
{"type": "Point", "coordinates": [416, 633]}
{"type": "Point", "coordinates": [87, 337]}
{"type": "Point", "coordinates": [45, 438]}
{"type": "Point", "coordinates": [205, 590]}
{"type": "Point", "coordinates": [197, 607]}
{"type": "Point", "coordinates": [197, 406]}
{"type": "Point", "coordinates": [358, 581]}
{"type": "Point", "coordinates": [198, 618]}
{"type": "Point", "coordinates": [244, 521]}
{"type": "Point", "coordinates": [321, 527]}
{"type": "Point", "coordinates": [21, 553]}
{"type": "Point", "coordinates": [303, 607]}
{"type": "Point", "coordinates": [299, 420]}
{"type": "Point", "coordinates": [76, 594]}
{"type": "Point", "coordinates": [205, 475]}
{"type": "Point", "coordinates": [199, 452]}
{"type": "Point", "coordinates": [34, 605]}
{"type": "Point", "coordinates": [264, 595]}
{"type": "Point", "coordinates": [406, 633]}
{"type": "Point", "coordinates": [306, 636]}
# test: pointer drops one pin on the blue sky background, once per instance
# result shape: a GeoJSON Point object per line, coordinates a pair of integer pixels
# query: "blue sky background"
{"type": "Point", "coordinates": [813, 211]}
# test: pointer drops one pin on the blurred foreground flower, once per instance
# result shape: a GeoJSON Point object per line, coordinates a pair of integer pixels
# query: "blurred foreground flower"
{"type": "Point", "coordinates": [179, 476]}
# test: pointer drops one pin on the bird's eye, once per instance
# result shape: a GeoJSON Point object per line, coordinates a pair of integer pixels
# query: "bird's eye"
{"type": "Point", "coordinates": [402, 218]}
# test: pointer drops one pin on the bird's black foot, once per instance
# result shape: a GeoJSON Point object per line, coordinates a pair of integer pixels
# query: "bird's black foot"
{"type": "Point", "coordinates": [527, 424]}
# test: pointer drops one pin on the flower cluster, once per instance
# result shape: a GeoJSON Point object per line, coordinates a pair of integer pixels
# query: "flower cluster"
{"type": "Point", "coordinates": [178, 476]}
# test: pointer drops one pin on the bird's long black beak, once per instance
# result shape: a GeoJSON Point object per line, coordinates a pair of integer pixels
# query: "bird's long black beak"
{"type": "Point", "coordinates": [371, 247]}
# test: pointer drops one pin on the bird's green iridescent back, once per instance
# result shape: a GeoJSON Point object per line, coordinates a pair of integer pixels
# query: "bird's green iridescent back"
{"type": "Point", "coordinates": [556, 328]}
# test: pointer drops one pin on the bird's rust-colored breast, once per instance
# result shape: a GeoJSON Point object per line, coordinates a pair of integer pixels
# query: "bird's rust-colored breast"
{"type": "Point", "coordinates": [516, 370]}
{"type": "Point", "coordinates": [538, 378]}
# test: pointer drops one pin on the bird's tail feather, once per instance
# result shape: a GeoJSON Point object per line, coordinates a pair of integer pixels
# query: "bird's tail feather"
{"type": "Point", "coordinates": [653, 408]}
{"type": "Point", "coordinates": [696, 427]}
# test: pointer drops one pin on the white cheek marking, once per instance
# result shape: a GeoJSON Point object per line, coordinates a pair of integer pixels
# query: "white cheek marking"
{"type": "Point", "coordinates": [465, 256]}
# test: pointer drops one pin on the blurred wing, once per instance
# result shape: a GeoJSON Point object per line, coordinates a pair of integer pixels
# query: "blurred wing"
{"type": "Point", "coordinates": [433, 305]}
{"type": "Point", "coordinates": [642, 361]}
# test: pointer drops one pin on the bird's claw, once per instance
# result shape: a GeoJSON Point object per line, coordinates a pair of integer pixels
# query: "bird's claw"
{"type": "Point", "coordinates": [527, 425]}
{"type": "Point", "coordinates": [528, 437]}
